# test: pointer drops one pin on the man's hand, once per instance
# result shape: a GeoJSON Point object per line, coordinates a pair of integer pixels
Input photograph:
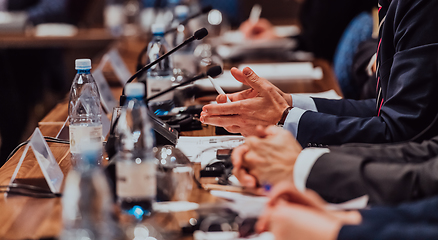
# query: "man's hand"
{"type": "Point", "coordinates": [262, 104]}
{"type": "Point", "coordinates": [288, 221]}
{"type": "Point", "coordinates": [267, 158]}
{"type": "Point", "coordinates": [291, 214]}
{"type": "Point", "coordinates": [262, 29]}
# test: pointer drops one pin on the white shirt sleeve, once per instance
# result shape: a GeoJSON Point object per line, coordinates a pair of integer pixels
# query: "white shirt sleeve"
{"type": "Point", "coordinates": [304, 165]}
{"type": "Point", "coordinates": [293, 119]}
{"type": "Point", "coordinates": [303, 102]}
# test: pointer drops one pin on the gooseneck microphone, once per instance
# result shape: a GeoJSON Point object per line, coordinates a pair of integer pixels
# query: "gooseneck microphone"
{"type": "Point", "coordinates": [212, 72]}
{"type": "Point", "coordinates": [198, 35]}
{"type": "Point", "coordinates": [143, 51]}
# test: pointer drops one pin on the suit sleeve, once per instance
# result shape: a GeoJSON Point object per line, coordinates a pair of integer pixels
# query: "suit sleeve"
{"type": "Point", "coordinates": [407, 152]}
{"type": "Point", "coordinates": [409, 76]}
{"type": "Point", "coordinates": [339, 176]}
{"type": "Point", "coordinates": [408, 221]}
{"type": "Point", "coordinates": [346, 107]}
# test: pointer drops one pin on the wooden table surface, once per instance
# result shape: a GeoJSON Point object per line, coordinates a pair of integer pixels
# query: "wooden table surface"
{"type": "Point", "coordinates": [32, 218]}
{"type": "Point", "coordinates": [84, 38]}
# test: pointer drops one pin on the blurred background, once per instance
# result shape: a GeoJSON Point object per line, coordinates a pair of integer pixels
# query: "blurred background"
{"type": "Point", "coordinates": [36, 56]}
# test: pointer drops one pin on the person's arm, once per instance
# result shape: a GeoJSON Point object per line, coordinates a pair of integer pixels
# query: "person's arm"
{"type": "Point", "coordinates": [408, 77]}
{"type": "Point", "coordinates": [408, 221]}
{"type": "Point", "coordinates": [340, 177]}
{"type": "Point", "coordinates": [338, 107]}
{"type": "Point", "coordinates": [406, 152]}
{"type": "Point", "coordinates": [312, 168]}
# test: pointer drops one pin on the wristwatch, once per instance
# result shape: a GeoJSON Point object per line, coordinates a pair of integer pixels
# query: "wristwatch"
{"type": "Point", "coordinates": [284, 116]}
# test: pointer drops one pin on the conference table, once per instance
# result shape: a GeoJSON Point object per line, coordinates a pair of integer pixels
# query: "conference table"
{"type": "Point", "coordinates": [23, 217]}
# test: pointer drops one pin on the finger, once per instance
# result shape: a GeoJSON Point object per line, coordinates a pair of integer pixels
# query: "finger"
{"type": "Point", "coordinates": [234, 129]}
{"type": "Point", "coordinates": [244, 178]}
{"type": "Point", "coordinates": [273, 130]}
{"type": "Point", "coordinates": [252, 141]}
{"type": "Point", "coordinates": [288, 192]}
{"type": "Point", "coordinates": [238, 75]}
{"type": "Point", "coordinates": [315, 197]}
{"type": "Point", "coordinates": [262, 224]}
{"type": "Point", "coordinates": [237, 155]}
{"type": "Point", "coordinates": [232, 120]}
{"type": "Point", "coordinates": [256, 82]}
{"type": "Point", "coordinates": [280, 190]}
{"type": "Point", "coordinates": [222, 98]}
{"type": "Point", "coordinates": [222, 109]}
{"type": "Point", "coordinates": [260, 131]}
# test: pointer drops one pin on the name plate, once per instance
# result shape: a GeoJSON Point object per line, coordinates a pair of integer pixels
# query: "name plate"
{"type": "Point", "coordinates": [49, 166]}
{"type": "Point", "coordinates": [106, 96]}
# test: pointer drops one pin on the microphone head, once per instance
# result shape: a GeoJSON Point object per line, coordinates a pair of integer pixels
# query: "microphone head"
{"type": "Point", "coordinates": [200, 34]}
{"type": "Point", "coordinates": [207, 9]}
{"type": "Point", "coordinates": [214, 71]}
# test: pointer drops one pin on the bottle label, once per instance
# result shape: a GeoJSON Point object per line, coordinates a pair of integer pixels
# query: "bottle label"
{"type": "Point", "coordinates": [157, 85]}
{"type": "Point", "coordinates": [85, 138]}
{"type": "Point", "coordinates": [136, 180]}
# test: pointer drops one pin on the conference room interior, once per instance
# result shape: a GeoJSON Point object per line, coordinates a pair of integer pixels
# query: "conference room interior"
{"type": "Point", "coordinates": [327, 142]}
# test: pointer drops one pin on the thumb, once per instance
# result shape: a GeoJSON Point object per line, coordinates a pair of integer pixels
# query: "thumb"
{"type": "Point", "coordinates": [222, 98]}
{"type": "Point", "coordinates": [256, 82]}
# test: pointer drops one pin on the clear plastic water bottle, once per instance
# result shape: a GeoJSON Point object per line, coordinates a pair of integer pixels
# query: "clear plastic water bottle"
{"type": "Point", "coordinates": [84, 113]}
{"type": "Point", "coordinates": [160, 76]}
{"type": "Point", "coordinates": [87, 207]}
{"type": "Point", "coordinates": [136, 166]}
{"type": "Point", "coordinates": [115, 17]}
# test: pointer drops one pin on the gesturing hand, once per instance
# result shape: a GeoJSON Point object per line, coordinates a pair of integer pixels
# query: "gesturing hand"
{"type": "Point", "coordinates": [262, 104]}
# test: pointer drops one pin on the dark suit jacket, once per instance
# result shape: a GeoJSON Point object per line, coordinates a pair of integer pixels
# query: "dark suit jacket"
{"type": "Point", "coordinates": [408, 76]}
{"type": "Point", "coordinates": [388, 173]}
{"type": "Point", "coordinates": [408, 221]}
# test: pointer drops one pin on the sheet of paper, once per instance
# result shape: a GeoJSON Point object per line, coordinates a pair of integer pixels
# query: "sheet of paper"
{"type": "Point", "coordinates": [203, 149]}
{"type": "Point", "coordinates": [247, 206]}
{"type": "Point", "coordinates": [285, 71]}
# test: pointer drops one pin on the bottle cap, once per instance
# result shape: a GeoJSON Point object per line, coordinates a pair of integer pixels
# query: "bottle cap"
{"type": "Point", "coordinates": [134, 89]}
{"type": "Point", "coordinates": [181, 11]}
{"type": "Point", "coordinates": [83, 64]}
{"type": "Point", "coordinates": [158, 28]}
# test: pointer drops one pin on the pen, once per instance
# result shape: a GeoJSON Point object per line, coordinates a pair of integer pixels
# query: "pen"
{"type": "Point", "coordinates": [254, 16]}
{"type": "Point", "coordinates": [218, 88]}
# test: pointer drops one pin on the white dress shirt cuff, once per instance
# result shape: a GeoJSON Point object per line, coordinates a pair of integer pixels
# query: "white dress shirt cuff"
{"type": "Point", "coordinates": [303, 102]}
{"type": "Point", "coordinates": [293, 119]}
{"type": "Point", "coordinates": [304, 164]}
